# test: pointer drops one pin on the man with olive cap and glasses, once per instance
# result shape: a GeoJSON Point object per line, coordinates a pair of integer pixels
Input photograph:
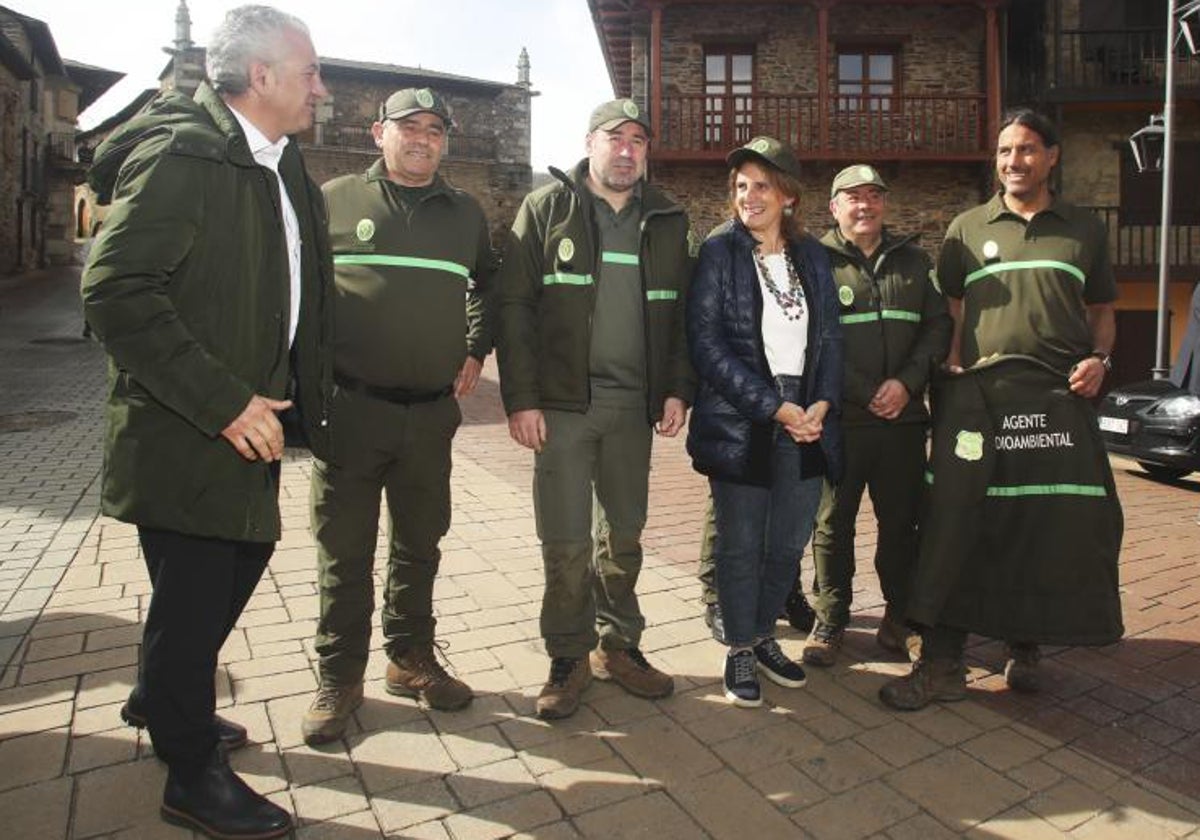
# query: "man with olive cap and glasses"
{"type": "Point", "coordinates": [409, 248]}
{"type": "Point", "coordinates": [895, 330]}
{"type": "Point", "coordinates": [592, 357]}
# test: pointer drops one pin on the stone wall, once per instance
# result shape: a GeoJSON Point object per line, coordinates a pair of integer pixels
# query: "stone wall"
{"type": "Point", "coordinates": [10, 167]}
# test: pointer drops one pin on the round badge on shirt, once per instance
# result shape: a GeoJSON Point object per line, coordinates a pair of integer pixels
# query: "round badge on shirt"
{"type": "Point", "coordinates": [364, 230]}
{"type": "Point", "coordinates": [566, 249]}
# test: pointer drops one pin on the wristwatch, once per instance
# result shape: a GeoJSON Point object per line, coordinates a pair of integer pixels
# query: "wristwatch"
{"type": "Point", "coordinates": [1105, 359]}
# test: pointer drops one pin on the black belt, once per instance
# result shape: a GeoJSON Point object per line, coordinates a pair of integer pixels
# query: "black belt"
{"type": "Point", "coordinates": [400, 396]}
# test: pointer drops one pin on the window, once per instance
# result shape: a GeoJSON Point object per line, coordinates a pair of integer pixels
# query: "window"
{"type": "Point", "coordinates": [867, 78]}
{"type": "Point", "coordinates": [728, 88]}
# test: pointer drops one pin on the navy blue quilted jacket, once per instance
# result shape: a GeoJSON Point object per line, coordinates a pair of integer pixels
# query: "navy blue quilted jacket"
{"type": "Point", "coordinates": [732, 425]}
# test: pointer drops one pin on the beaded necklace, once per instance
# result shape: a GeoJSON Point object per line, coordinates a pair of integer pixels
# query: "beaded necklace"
{"type": "Point", "coordinates": [791, 299]}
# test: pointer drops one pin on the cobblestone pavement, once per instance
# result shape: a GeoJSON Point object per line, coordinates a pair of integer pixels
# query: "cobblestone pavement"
{"type": "Point", "coordinates": [1111, 748]}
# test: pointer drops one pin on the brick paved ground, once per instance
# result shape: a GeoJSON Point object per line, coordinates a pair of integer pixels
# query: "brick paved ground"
{"type": "Point", "coordinates": [1111, 749]}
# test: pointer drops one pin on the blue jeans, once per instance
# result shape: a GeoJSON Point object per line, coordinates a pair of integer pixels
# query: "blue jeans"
{"type": "Point", "coordinates": [761, 535]}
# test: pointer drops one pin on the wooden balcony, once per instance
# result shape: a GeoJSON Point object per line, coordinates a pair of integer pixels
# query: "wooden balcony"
{"type": "Point", "coordinates": [1133, 248]}
{"type": "Point", "coordinates": [1115, 65]}
{"type": "Point", "coordinates": [945, 127]}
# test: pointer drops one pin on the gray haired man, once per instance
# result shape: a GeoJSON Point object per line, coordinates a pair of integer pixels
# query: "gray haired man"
{"type": "Point", "coordinates": [209, 288]}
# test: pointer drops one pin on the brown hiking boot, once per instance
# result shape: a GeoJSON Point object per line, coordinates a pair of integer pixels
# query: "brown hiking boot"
{"type": "Point", "coordinates": [929, 680]}
{"type": "Point", "coordinates": [898, 637]}
{"type": "Point", "coordinates": [821, 648]}
{"type": "Point", "coordinates": [417, 673]}
{"type": "Point", "coordinates": [1021, 667]}
{"type": "Point", "coordinates": [630, 670]}
{"type": "Point", "coordinates": [560, 695]}
{"type": "Point", "coordinates": [329, 713]}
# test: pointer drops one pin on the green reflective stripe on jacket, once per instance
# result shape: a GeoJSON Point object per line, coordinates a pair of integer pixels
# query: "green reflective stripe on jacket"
{"type": "Point", "coordinates": [1022, 265]}
{"type": "Point", "coordinates": [403, 262]}
{"type": "Point", "coordinates": [662, 294]}
{"type": "Point", "coordinates": [1018, 490]}
{"type": "Point", "coordinates": [887, 314]}
{"type": "Point", "coordinates": [561, 278]}
{"type": "Point", "coordinates": [619, 258]}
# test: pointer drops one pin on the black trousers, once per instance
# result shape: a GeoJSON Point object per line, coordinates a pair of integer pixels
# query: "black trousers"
{"type": "Point", "coordinates": [200, 587]}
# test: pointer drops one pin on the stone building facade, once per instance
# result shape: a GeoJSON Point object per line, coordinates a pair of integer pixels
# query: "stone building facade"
{"type": "Point", "coordinates": [916, 87]}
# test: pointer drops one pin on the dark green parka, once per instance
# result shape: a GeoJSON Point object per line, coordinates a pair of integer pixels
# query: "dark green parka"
{"type": "Point", "coordinates": [188, 287]}
{"type": "Point", "coordinates": [895, 324]}
{"type": "Point", "coordinates": [547, 295]}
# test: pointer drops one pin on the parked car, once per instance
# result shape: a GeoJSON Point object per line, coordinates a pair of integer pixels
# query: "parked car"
{"type": "Point", "coordinates": [1156, 424]}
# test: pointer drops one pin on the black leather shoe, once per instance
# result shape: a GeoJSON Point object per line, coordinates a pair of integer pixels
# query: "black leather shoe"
{"type": "Point", "coordinates": [799, 613]}
{"type": "Point", "coordinates": [215, 801]}
{"type": "Point", "coordinates": [231, 735]}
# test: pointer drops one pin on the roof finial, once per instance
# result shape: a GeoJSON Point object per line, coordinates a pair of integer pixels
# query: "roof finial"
{"type": "Point", "coordinates": [523, 69]}
{"type": "Point", "coordinates": [183, 27]}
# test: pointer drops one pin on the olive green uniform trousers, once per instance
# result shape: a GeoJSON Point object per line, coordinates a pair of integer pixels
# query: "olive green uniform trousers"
{"type": "Point", "coordinates": [590, 487]}
{"type": "Point", "coordinates": [402, 451]}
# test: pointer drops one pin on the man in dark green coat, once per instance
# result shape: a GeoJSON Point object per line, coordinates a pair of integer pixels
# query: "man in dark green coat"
{"type": "Point", "coordinates": [895, 330]}
{"type": "Point", "coordinates": [1022, 537]}
{"type": "Point", "coordinates": [593, 356]}
{"type": "Point", "coordinates": [413, 262]}
{"type": "Point", "coordinates": [209, 287]}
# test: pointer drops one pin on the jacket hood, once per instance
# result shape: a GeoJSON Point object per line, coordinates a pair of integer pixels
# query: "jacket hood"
{"type": "Point", "coordinates": [204, 127]}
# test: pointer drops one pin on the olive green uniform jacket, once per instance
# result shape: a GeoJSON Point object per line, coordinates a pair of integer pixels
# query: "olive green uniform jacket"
{"type": "Point", "coordinates": [548, 294]}
{"type": "Point", "coordinates": [401, 273]}
{"type": "Point", "coordinates": [895, 324]}
{"type": "Point", "coordinates": [188, 286]}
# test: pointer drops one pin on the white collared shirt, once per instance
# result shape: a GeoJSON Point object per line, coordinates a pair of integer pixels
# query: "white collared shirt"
{"type": "Point", "coordinates": [268, 154]}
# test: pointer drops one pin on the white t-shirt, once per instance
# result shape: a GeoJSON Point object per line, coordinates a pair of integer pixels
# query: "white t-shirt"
{"type": "Point", "coordinates": [785, 340]}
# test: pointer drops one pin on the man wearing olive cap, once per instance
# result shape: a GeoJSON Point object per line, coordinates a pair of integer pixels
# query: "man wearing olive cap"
{"type": "Point", "coordinates": [408, 249]}
{"type": "Point", "coordinates": [895, 329]}
{"type": "Point", "coordinates": [592, 356]}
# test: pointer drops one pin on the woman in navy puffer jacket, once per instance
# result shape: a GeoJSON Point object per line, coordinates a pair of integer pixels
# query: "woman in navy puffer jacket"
{"type": "Point", "coordinates": [763, 334]}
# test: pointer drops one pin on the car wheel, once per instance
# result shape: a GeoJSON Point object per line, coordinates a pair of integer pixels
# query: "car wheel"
{"type": "Point", "coordinates": [1163, 473]}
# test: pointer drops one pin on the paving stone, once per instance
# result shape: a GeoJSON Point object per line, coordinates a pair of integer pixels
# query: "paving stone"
{"type": "Point", "coordinates": [565, 753]}
{"type": "Point", "coordinates": [1003, 749]}
{"type": "Point", "coordinates": [1017, 824]}
{"type": "Point", "coordinates": [476, 747]}
{"type": "Point", "coordinates": [402, 756]}
{"type": "Point", "coordinates": [331, 798]}
{"type": "Point", "coordinates": [660, 749]}
{"type": "Point", "coordinates": [477, 785]}
{"type": "Point", "coordinates": [841, 766]}
{"type": "Point", "coordinates": [344, 827]}
{"type": "Point", "coordinates": [116, 797]}
{"type": "Point", "coordinates": [729, 808]}
{"type": "Point", "coordinates": [32, 758]}
{"type": "Point", "coordinates": [643, 818]}
{"type": "Point", "coordinates": [862, 812]}
{"type": "Point", "coordinates": [956, 789]}
{"type": "Point", "coordinates": [78, 664]}
{"type": "Point", "coordinates": [897, 743]}
{"type": "Point", "coordinates": [412, 805]}
{"type": "Point", "coordinates": [582, 788]}
{"type": "Point", "coordinates": [500, 819]}
{"type": "Point", "coordinates": [34, 719]}
{"type": "Point", "coordinates": [921, 827]}
{"type": "Point", "coordinates": [39, 811]}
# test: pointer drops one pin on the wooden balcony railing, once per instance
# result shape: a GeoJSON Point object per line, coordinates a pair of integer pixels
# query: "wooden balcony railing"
{"type": "Point", "coordinates": [357, 137]}
{"type": "Point", "coordinates": [944, 126]}
{"type": "Point", "coordinates": [1133, 249]}
{"type": "Point", "coordinates": [1116, 58]}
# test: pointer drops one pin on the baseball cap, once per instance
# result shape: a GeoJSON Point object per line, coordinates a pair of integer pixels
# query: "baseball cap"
{"type": "Point", "coordinates": [611, 114]}
{"type": "Point", "coordinates": [858, 175]}
{"type": "Point", "coordinates": [767, 149]}
{"type": "Point", "coordinates": [409, 101]}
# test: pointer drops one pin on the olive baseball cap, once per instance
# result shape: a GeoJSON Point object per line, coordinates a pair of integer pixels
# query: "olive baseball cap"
{"type": "Point", "coordinates": [410, 101]}
{"type": "Point", "coordinates": [766, 149]}
{"type": "Point", "coordinates": [612, 114]}
{"type": "Point", "coordinates": [858, 175]}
